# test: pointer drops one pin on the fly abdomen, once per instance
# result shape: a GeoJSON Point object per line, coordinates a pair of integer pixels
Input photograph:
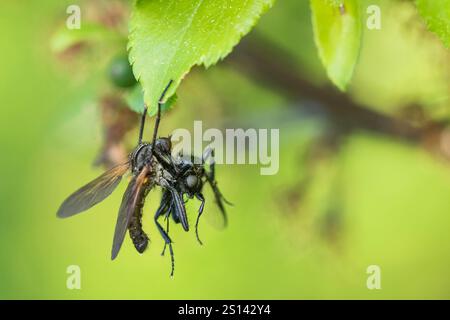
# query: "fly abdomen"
{"type": "Point", "coordinates": [137, 234]}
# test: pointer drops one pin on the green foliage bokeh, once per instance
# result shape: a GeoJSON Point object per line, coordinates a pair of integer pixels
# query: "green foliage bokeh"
{"type": "Point", "coordinates": [394, 197]}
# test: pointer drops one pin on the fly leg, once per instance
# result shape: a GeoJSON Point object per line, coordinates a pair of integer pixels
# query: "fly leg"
{"type": "Point", "coordinates": [165, 203]}
{"type": "Point", "coordinates": [166, 218]}
{"type": "Point", "coordinates": [178, 207]}
{"type": "Point", "coordinates": [141, 130]}
{"type": "Point", "coordinates": [210, 177]}
{"type": "Point", "coordinates": [158, 115]}
{"type": "Point", "coordinates": [200, 197]}
{"type": "Point", "coordinates": [157, 121]}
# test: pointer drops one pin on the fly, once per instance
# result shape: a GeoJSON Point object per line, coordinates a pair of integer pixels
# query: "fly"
{"type": "Point", "coordinates": [151, 164]}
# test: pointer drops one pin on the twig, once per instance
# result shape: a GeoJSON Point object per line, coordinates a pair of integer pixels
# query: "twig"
{"type": "Point", "coordinates": [272, 66]}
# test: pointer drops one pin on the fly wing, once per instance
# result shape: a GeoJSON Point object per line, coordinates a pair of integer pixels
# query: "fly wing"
{"type": "Point", "coordinates": [130, 201]}
{"type": "Point", "coordinates": [179, 209]}
{"type": "Point", "coordinates": [94, 192]}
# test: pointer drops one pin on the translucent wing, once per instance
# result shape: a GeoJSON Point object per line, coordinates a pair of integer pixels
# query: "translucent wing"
{"type": "Point", "coordinates": [94, 192]}
{"type": "Point", "coordinates": [131, 199]}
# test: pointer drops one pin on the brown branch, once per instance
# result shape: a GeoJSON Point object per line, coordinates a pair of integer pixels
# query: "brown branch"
{"type": "Point", "coordinates": [117, 120]}
{"type": "Point", "coordinates": [272, 67]}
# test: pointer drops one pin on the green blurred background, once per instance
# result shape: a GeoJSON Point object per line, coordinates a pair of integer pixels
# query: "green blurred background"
{"type": "Point", "coordinates": [374, 201]}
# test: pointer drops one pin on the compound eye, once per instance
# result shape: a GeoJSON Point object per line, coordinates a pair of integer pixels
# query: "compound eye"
{"type": "Point", "coordinates": [191, 181]}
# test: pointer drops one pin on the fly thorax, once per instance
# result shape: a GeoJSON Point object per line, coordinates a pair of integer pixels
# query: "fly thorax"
{"type": "Point", "coordinates": [140, 157]}
{"type": "Point", "coordinates": [162, 174]}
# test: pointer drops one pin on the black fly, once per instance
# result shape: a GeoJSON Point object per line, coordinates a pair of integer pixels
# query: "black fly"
{"type": "Point", "coordinates": [151, 164]}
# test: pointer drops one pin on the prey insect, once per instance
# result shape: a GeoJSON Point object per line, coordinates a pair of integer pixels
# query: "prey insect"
{"type": "Point", "coordinates": [150, 164]}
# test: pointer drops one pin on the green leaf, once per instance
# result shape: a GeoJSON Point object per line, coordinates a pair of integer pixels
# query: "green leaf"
{"type": "Point", "coordinates": [437, 17]}
{"type": "Point", "coordinates": [337, 33]}
{"type": "Point", "coordinates": [168, 37]}
{"type": "Point", "coordinates": [135, 100]}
